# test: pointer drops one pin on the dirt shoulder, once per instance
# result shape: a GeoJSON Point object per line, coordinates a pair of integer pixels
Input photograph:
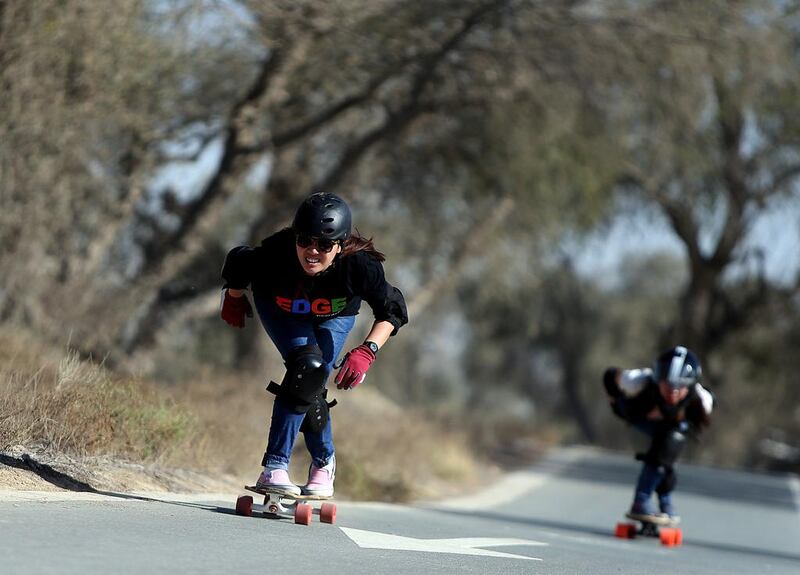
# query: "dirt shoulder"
{"type": "Point", "coordinates": [22, 469]}
{"type": "Point", "coordinates": [26, 470]}
{"type": "Point", "coordinates": [12, 479]}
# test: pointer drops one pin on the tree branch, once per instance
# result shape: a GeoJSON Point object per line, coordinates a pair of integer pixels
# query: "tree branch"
{"type": "Point", "coordinates": [731, 129]}
{"type": "Point", "coordinates": [471, 244]}
{"type": "Point", "coordinates": [780, 181]}
{"type": "Point", "coordinates": [235, 150]}
{"type": "Point", "coordinates": [398, 120]}
{"type": "Point", "coordinates": [230, 163]}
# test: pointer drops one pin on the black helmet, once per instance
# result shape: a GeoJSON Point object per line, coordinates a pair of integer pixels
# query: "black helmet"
{"type": "Point", "coordinates": [323, 215]}
{"type": "Point", "coordinates": [679, 367]}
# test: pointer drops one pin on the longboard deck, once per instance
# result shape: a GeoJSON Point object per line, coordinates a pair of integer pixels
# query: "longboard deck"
{"type": "Point", "coordinates": [286, 494]}
{"type": "Point", "coordinates": [658, 522]}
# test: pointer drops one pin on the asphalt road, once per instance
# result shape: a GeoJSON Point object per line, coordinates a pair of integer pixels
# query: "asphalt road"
{"type": "Point", "coordinates": [556, 518]}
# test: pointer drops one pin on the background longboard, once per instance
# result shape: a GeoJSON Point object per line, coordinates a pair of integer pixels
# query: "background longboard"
{"type": "Point", "coordinates": [667, 533]}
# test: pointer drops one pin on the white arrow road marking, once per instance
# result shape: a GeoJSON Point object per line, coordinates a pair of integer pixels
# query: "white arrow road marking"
{"type": "Point", "coordinates": [460, 546]}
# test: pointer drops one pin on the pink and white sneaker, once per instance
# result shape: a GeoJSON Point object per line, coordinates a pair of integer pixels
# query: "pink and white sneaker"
{"type": "Point", "coordinates": [320, 480]}
{"type": "Point", "coordinates": [277, 480]}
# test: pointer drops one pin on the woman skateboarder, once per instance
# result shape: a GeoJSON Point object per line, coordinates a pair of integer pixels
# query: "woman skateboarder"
{"type": "Point", "coordinates": [307, 284]}
{"type": "Point", "coordinates": [664, 402]}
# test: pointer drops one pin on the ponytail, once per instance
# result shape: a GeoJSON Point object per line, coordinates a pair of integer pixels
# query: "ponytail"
{"type": "Point", "coordinates": [357, 243]}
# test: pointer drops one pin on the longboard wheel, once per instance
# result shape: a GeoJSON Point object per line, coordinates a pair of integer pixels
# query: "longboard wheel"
{"type": "Point", "coordinates": [670, 536]}
{"type": "Point", "coordinates": [302, 514]}
{"type": "Point", "coordinates": [327, 513]}
{"type": "Point", "coordinates": [678, 536]}
{"type": "Point", "coordinates": [244, 505]}
{"type": "Point", "coordinates": [625, 530]}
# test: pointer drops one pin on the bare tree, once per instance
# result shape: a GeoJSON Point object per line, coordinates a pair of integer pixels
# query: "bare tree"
{"type": "Point", "coordinates": [718, 144]}
{"type": "Point", "coordinates": [91, 92]}
{"type": "Point", "coordinates": [411, 83]}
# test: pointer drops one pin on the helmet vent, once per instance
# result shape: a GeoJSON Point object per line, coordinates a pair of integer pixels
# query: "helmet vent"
{"type": "Point", "coordinates": [328, 230]}
{"type": "Point", "coordinates": [327, 220]}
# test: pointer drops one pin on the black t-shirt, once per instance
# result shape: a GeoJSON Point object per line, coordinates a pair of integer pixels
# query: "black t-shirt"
{"type": "Point", "coordinates": [274, 273]}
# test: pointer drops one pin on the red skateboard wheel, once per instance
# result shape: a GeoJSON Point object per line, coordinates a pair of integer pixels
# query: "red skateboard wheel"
{"type": "Point", "coordinates": [671, 536]}
{"type": "Point", "coordinates": [678, 537]}
{"type": "Point", "coordinates": [302, 514]}
{"type": "Point", "coordinates": [327, 513]}
{"type": "Point", "coordinates": [244, 505]}
{"type": "Point", "coordinates": [625, 530]}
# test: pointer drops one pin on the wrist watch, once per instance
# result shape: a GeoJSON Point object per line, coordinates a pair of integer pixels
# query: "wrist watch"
{"type": "Point", "coordinates": [372, 345]}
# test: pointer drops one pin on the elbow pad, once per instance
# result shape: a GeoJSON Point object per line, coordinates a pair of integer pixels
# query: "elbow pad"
{"type": "Point", "coordinates": [235, 270]}
{"type": "Point", "coordinates": [610, 382]}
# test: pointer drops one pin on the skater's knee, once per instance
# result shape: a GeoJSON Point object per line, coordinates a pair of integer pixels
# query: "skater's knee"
{"type": "Point", "coordinates": [668, 483]}
{"type": "Point", "coordinates": [306, 374]}
{"type": "Point", "coordinates": [666, 448]}
{"type": "Point", "coordinates": [674, 443]}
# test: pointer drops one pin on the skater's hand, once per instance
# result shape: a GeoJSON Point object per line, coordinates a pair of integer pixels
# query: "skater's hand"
{"type": "Point", "coordinates": [234, 309]}
{"type": "Point", "coordinates": [354, 367]}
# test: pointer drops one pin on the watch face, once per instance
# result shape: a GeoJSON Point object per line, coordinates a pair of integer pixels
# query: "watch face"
{"type": "Point", "coordinates": [373, 346]}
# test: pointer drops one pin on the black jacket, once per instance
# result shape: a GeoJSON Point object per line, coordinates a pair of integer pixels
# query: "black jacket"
{"type": "Point", "coordinates": [637, 395]}
{"type": "Point", "coordinates": [689, 408]}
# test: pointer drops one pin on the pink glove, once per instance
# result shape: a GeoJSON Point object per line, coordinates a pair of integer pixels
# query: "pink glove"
{"type": "Point", "coordinates": [354, 367]}
{"type": "Point", "coordinates": [234, 309]}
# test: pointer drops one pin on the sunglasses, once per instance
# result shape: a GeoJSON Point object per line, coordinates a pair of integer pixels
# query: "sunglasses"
{"type": "Point", "coordinates": [321, 244]}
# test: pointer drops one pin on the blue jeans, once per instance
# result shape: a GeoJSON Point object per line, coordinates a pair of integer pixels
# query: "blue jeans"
{"type": "Point", "coordinates": [288, 332]}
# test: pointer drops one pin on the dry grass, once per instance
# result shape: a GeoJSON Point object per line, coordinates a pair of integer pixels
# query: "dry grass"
{"type": "Point", "coordinates": [55, 402]}
{"type": "Point", "coordinates": [390, 453]}
{"type": "Point", "coordinates": [383, 452]}
{"type": "Point", "coordinates": [58, 403]}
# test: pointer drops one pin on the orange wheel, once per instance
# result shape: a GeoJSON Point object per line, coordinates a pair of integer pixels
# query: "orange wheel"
{"type": "Point", "coordinates": [678, 537]}
{"type": "Point", "coordinates": [668, 536]}
{"type": "Point", "coordinates": [302, 514]}
{"type": "Point", "coordinates": [625, 530]}
{"type": "Point", "coordinates": [665, 535]}
{"type": "Point", "coordinates": [244, 505]}
{"type": "Point", "coordinates": [327, 513]}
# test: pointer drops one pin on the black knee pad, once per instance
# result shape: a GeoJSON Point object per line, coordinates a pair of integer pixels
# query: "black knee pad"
{"type": "Point", "coordinates": [666, 447]}
{"type": "Point", "coordinates": [317, 416]}
{"type": "Point", "coordinates": [667, 485]}
{"type": "Point", "coordinates": [306, 374]}
{"type": "Point", "coordinates": [673, 445]}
